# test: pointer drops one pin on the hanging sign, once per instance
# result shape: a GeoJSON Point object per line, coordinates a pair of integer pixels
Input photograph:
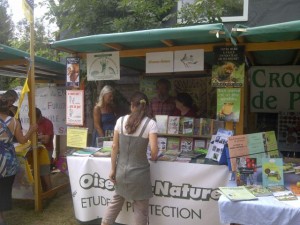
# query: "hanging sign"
{"type": "Point", "coordinates": [189, 60]}
{"type": "Point", "coordinates": [103, 66]}
{"type": "Point", "coordinates": [159, 62]}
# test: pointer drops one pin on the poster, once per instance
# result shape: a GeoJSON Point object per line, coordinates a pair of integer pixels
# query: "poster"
{"type": "Point", "coordinates": [229, 66]}
{"type": "Point", "coordinates": [189, 60]}
{"type": "Point", "coordinates": [73, 71]}
{"type": "Point", "coordinates": [75, 110]}
{"type": "Point", "coordinates": [228, 104]}
{"type": "Point", "coordinates": [52, 103]}
{"type": "Point", "coordinates": [103, 66]}
{"type": "Point", "coordinates": [77, 137]}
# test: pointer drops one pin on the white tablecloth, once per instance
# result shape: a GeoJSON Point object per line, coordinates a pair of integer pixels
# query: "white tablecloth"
{"type": "Point", "coordinates": [264, 211]}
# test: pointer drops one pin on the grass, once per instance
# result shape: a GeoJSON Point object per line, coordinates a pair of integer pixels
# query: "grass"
{"type": "Point", "coordinates": [56, 211]}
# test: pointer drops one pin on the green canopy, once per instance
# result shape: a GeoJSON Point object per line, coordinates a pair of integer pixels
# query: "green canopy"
{"type": "Point", "coordinates": [282, 42]}
{"type": "Point", "coordinates": [276, 44]}
{"type": "Point", "coordinates": [164, 39]}
{"type": "Point", "coordinates": [13, 63]}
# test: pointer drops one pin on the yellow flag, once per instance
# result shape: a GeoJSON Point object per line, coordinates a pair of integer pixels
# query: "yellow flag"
{"type": "Point", "coordinates": [28, 8]}
{"type": "Point", "coordinates": [24, 91]}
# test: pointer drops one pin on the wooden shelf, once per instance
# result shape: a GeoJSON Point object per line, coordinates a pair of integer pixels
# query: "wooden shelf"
{"type": "Point", "coordinates": [183, 135]}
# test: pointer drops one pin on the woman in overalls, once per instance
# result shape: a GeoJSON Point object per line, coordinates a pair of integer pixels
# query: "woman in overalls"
{"type": "Point", "coordinates": [130, 169]}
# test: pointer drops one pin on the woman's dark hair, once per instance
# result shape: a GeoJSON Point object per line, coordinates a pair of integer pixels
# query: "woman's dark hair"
{"type": "Point", "coordinates": [185, 99]}
{"type": "Point", "coordinates": [4, 105]}
{"type": "Point", "coordinates": [140, 101]}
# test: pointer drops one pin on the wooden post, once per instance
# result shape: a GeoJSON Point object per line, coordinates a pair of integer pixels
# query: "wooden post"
{"type": "Point", "coordinates": [32, 116]}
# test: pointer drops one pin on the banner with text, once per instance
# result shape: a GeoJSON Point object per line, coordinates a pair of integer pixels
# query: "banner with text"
{"type": "Point", "coordinates": [190, 197]}
{"type": "Point", "coordinates": [275, 89]}
{"type": "Point", "coordinates": [52, 102]}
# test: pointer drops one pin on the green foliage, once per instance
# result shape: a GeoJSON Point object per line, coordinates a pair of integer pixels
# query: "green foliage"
{"type": "Point", "coordinates": [22, 40]}
{"type": "Point", "coordinates": [141, 14]}
{"type": "Point", "coordinates": [6, 24]}
{"type": "Point", "coordinates": [201, 11]}
{"type": "Point", "coordinates": [79, 18]}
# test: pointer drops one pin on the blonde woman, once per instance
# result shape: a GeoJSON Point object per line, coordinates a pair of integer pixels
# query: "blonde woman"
{"type": "Point", "coordinates": [104, 114]}
{"type": "Point", "coordinates": [130, 169]}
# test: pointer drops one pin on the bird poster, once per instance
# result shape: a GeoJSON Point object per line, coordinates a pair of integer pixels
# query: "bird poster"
{"type": "Point", "coordinates": [189, 60]}
{"type": "Point", "coordinates": [103, 66]}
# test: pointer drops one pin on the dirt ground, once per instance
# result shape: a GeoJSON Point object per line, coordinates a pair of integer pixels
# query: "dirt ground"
{"type": "Point", "coordinates": [56, 211]}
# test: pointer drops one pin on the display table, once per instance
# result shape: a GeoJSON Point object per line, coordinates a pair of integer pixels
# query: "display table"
{"type": "Point", "coordinates": [184, 193]}
{"type": "Point", "coordinates": [265, 210]}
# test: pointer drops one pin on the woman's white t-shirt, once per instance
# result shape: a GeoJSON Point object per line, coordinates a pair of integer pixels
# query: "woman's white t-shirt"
{"type": "Point", "coordinates": [150, 129]}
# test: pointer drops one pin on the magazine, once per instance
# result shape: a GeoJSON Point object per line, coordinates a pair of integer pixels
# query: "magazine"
{"type": "Point", "coordinates": [239, 193]}
{"type": "Point", "coordinates": [285, 195]}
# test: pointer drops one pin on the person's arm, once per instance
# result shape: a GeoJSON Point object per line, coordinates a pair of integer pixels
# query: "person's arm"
{"type": "Point", "coordinates": [46, 136]}
{"type": "Point", "coordinates": [22, 139]}
{"type": "Point", "coordinates": [114, 155]}
{"type": "Point", "coordinates": [153, 146]}
{"type": "Point", "coordinates": [97, 121]}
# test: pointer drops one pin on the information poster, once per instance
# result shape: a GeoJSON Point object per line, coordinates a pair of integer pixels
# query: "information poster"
{"type": "Point", "coordinates": [75, 110]}
{"type": "Point", "coordinates": [77, 137]}
{"type": "Point", "coordinates": [229, 66]}
{"type": "Point", "coordinates": [73, 71]}
{"type": "Point", "coordinates": [228, 104]}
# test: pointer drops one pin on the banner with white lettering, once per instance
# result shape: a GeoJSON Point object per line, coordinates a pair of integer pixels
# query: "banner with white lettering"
{"type": "Point", "coordinates": [184, 193]}
{"type": "Point", "coordinates": [52, 103]}
{"type": "Point", "coordinates": [275, 89]}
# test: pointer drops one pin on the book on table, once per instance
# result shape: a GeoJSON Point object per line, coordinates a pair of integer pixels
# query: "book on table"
{"type": "Point", "coordinates": [88, 151]}
{"type": "Point", "coordinates": [259, 190]}
{"type": "Point", "coordinates": [239, 193]}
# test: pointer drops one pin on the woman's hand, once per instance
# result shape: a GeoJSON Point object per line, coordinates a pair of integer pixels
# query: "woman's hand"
{"type": "Point", "coordinates": [112, 176]}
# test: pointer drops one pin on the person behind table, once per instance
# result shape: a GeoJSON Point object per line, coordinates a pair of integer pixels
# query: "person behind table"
{"type": "Point", "coordinates": [104, 114]}
{"type": "Point", "coordinates": [162, 103]}
{"type": "Point", "coordinates": [45, 136]}
{"type": "Point", "coordinates": [184, 105]}
{"type": "Point", "coordinates": [130, 169]}
{"type": "Point", "coordinates": [9, 127]}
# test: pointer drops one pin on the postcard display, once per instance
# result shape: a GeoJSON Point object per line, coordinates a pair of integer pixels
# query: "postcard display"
{"type": "Point", "coordinates": [249, 151]}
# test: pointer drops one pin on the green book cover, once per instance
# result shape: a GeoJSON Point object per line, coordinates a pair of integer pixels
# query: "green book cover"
{"type": "Point", "coordinates": [228, 104]}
